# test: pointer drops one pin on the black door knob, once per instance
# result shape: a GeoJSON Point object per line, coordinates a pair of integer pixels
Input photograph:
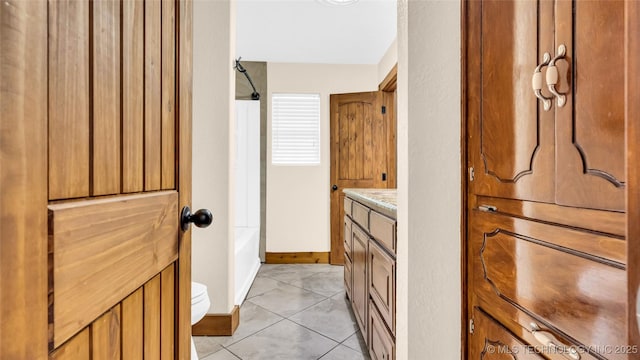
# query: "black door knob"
{"type": "Point", "coordinates": [334, 187]}
{"type": "Point", "coordinates": [201, 218]}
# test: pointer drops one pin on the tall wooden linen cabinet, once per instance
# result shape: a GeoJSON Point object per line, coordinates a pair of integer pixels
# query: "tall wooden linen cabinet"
{"type": "Point", "coordinates": [546, 155]}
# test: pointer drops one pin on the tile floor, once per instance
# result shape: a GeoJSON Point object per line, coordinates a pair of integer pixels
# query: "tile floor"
{"type": "Point", "coordinates": [292, 312]}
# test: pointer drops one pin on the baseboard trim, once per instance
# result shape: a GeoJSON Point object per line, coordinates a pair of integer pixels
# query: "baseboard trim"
{"type": "Point", "coordinates": [218, 324]}
{"type": "Point", "coordinates": [297, 257]}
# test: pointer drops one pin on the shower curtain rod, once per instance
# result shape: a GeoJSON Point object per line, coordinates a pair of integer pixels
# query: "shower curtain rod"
{"type": "Point", "coordinates": [255, 95]}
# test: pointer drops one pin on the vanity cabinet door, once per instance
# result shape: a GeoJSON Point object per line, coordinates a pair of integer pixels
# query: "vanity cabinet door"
{"type": "Point", "coordinates": [360, 290]}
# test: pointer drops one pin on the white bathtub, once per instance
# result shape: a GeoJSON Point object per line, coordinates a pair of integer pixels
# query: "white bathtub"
{"type": "Point", "coordinates": [247, 260]}
{"type": "Point", "coordinates": [247, 167]}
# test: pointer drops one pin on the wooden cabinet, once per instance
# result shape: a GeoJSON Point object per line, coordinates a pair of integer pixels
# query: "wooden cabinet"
{"type": "Point", "coordinates": [546, 249]}
{"type": "Point", "coordinates": [573, 153]}
{"type": "Point", "coordinates": [360, 292]}
{"type": "Point", "coordinates": [370, 275]}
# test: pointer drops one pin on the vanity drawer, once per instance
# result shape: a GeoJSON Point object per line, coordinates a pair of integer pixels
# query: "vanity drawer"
{"type": "Point", "coordinates": [347, 206]}
{"type": "Point", "coordinates": [571, 283]}
{"type": "Point", "coordinates": [348, 276]}
{"type": "Point", "coordinates": [361, 215]}
{"type": "Point", "coordinates": [381, 343]}
{"type": "Point", "coordinates": [383, 229]}
{"type": "Point", "coordinates": [347, 237]}
{"type": "Point", "coordinates": [382, 286]}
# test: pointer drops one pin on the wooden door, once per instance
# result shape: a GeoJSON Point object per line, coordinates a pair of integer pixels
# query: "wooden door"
{"type": "Point", "coordinates": [101, 147]}
{"type": "Point", "coordinates": [590, 128]}
{"type": "Point", "coordinates": [362, 147]}
{"type": "Point", "coordinates": [511, 137]}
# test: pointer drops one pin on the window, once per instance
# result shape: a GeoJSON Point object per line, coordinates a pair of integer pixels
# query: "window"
{"type": "Point", "coordinates": [295, 129]}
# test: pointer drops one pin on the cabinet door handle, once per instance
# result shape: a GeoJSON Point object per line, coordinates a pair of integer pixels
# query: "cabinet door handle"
{"type": "Point", "coordinates": [536, 82]}
{"type": "Point", "coordinates": [552, 76]}
{"type": "Point", "coordinates": [548, 340]}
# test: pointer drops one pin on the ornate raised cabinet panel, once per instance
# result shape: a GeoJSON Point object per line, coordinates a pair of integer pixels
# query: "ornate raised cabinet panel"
{"type": "Point", "coordinates": [545, 106]}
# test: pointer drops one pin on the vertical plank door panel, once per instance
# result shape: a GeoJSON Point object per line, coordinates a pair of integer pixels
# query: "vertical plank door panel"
{"type": "Point", "coordinates": [168, 94]}
{"type": "Point", "coordinates": [132, 96]}
{"type": "Point", "coordinates": [152, 318]}
{"type": "Point", "coordinates": [78, 348]}
{"type": "Point", "coordinates": [167, 313]}
{"type": "Point", "coordinates": [133, 326]}
{"type": "Point", "coordinates": [152, 95]}
{"type": "Point", "coordinates": [23, 178]}
{"type": "Point", "coordinates": [68, 99]}
{"type": "Point", "coordinates": [106, 98]}
{"type": "Point", "coordinates": [105, 336]}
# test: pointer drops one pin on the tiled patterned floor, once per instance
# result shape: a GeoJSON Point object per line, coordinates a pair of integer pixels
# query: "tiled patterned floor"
{"type": "Point", "coordinates": [292, 312]}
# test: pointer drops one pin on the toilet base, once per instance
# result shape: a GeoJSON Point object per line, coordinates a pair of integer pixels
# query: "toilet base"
{"type": "Point", "coordinates": [194, 354]}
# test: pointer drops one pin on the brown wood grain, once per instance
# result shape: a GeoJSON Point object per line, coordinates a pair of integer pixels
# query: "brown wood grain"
{"type": "Point", "coordinates": [78, 348]}
{"type": "Point", "coordinates": [391, 127]}
{"type": "Point", "coordinates": [297, 257]}
{"type": "Point", "coordinates": [106, 109]}
{"type": "Point", "coordinates": [218, 324]}
{"type": "Point", "coordinates": [596, 220]}
{"type": "Point", "coordinates": [184, 81]}
{"type": "Point", "coordinates": [591, 126]}
{"type": "Point", "coordinates": [167, 313]}
{"type": "Point", "coordinates": [152, 318]}
{"type": "Point", "coordinates": [168, 139]}
{"type": "Point", "coordinates": [571, 282]}
{"type": "Point", "coordinates": [359, 154]}
{"type": "Point", "coordinates": [381, 284]}
{"type": "Point", "coordinates": [97, 263]}
{"type": "Point", "coordinates": [105, 336]}
{"type": "Point", "coordinates": [360, 289]}
{"type": "Point", "coordinates": [68, 99]}
{"type": "Point", "coordinates": [508, 129]}
{"type": "Point", "coordinates": [389, 83]}
{"type": "Point", "coordinates": [381, 344]}
{"type": "Point", "coordinates": [133, 326]}
{"type": "Point", "coordinates": [133, 65]}
{"type": "Point", "coordinates": [23, 178]}
{"type": "Point", "coordinates": [152, 95]}
{"type": "Point", "coordinates": [632, 115]}
{"type": "Point", "coordinates": [492, 340]}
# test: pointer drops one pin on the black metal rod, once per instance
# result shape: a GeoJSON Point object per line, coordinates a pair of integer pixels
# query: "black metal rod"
{"type": "Point", "coordinates": [255, 95]}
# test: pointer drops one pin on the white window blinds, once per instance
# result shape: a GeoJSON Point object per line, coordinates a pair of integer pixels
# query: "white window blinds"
{"type": "Point", "coordinates": [295, 129]}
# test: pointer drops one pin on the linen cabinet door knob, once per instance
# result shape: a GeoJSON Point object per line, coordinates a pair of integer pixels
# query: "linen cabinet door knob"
{"type": "Point", "coordinates": [536, 82]}
{"type": "Point", "coordinates": [552, 76]}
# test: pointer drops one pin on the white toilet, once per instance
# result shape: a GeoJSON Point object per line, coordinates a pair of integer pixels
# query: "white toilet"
{"type": "Point", "coordinates": [199, 306]}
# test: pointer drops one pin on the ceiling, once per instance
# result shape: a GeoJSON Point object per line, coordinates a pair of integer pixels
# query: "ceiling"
{"type": "Point", "coordinates": [313, 31]}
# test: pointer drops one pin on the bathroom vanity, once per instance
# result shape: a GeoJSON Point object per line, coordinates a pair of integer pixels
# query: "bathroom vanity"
{"type": "Point", "coordinates": [370, 266]}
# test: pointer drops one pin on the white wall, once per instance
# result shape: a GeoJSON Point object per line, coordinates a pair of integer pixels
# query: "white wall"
{"type": "Point", "coordinates": [214, 147]}
{"type": "Point", "coordinates": [388, 60]}
{"type": "Point", "coordinates": [298, 204]}
{"type": "Point", "coordinates": [429, 199]}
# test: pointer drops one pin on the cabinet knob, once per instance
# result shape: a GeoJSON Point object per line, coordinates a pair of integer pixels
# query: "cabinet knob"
{"type": "Point", "coordinates": [334, 187]}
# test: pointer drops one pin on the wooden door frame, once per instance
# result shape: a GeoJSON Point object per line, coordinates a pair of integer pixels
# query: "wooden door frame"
{"type": "Point", "coordinates": [464, 189]}
{"type": "Point", "coordinates": [23, 180]}
{"type": "Point", "coordinates": [184, 99]}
